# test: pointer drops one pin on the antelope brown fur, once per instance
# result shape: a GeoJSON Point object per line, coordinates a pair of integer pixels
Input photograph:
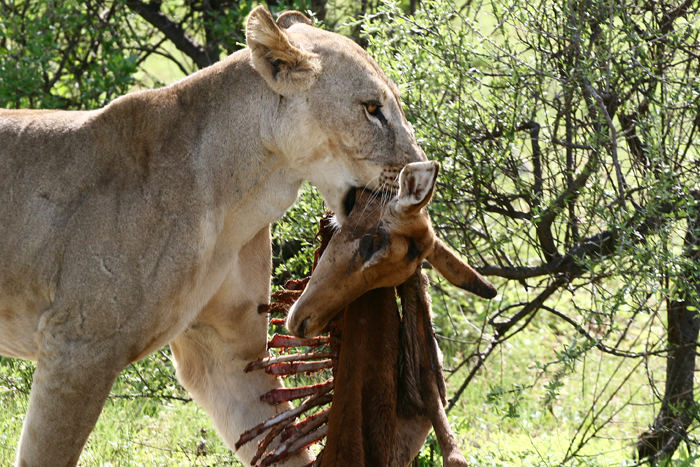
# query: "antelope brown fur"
{"type": "Point", "coordinates": [378, 416]}
{"type": "Point", "coordinates": [388, 385]}
{"type": "Point", "coordinates": [362, 421]}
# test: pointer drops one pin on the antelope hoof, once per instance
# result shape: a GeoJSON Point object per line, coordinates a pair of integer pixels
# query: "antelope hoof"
{"type": "Point", "coordinates": [455, 460]}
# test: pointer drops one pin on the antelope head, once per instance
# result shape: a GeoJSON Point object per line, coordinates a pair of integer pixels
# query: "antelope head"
{"type": "Point", "coordinates": [380, 245]}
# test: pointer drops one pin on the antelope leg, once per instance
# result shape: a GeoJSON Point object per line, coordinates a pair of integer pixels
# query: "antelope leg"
{"type": "Point", "coordinates": [451, 454]}
{"type": "Point", "coordinates": [432, 382]}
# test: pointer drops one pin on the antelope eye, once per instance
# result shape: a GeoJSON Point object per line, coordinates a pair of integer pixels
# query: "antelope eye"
{"type": "Point", "coordinates": [371, 243]}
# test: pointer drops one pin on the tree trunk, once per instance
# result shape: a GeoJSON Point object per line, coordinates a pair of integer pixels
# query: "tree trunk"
{"type": "Point", "coordinates": [678, 406]}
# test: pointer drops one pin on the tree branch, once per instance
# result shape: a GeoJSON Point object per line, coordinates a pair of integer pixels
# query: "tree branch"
{"type": "Point", "coordinates": [173, 31]}
{"type": "Point", "coordinates": [622, 185]}
{"type": "Point", "coordinates": [601, 245]}
{"type": "Point", "coordinates": [543, 229]}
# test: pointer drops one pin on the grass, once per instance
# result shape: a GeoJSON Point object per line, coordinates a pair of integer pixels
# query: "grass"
{"type": "Point", "coordinates": [130, 431]}
{"type": "Point", "coordinates": [145, 432]}
{"type": "Point", "coordinates": [504, 418]}
{"type": "Point", "coordinates": [500, 420]}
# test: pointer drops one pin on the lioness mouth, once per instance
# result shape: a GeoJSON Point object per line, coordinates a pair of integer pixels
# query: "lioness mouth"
{"type": "Point", "coordinates": [349, 201]}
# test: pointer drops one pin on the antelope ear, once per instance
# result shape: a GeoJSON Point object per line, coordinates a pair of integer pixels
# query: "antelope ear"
{"type": "Point", "coordinates": [458, 272]}
{"type": "Point", "coordinates": [286, 69]}
{"type": "Point", "coordinates": [416, 185]}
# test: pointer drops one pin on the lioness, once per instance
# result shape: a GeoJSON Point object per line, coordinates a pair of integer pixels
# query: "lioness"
{"type": "Point", "coordinates": [146, 222]}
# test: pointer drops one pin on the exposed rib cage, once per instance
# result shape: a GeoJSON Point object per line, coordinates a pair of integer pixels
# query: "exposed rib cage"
{"type": "Point", "coordinates": [306, 424]}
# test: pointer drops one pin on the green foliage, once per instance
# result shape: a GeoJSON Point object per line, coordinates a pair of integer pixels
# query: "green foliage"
{"type": "Point", "coordinates": [506, 401]}
{"type": "Point", "coordinates": [152, 378]}
{"type": "Point", "coordinates": [567, 134]}
{"type": "Point", "coordinates": [294, 237]}
{"type": "Point", "coordinates": [66, 54]}
{"type": "Point", "coordinates": [83, 54]}
{"type": "Point", "coordinates": [15, 377]}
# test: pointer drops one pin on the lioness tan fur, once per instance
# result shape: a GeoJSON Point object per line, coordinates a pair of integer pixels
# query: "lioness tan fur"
{"type": "Point", "coordinates": [146, 222]}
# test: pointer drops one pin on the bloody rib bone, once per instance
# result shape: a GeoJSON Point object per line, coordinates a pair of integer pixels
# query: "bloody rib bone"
{"type": "Point", "coordinates": [295, 368]}
{"type": "Point", "coordinates": [297, 445]}
{"type": "Point", "coordinates": [295, 284]}
{"type": "Point", "coordinates": [273, 308]}
{"type": "Point", "coordinates": [295, 357]}
{"type": "Point", "coordinates": [321, 398]}
{"type": "Point", "coordinates": [265, 442]}
{"type": "Point", "coordinates": [305, 433]}
{"type": "Point", "coordinates": [279, 395]}
{"type": "Point", "coordinates": [308, 424]}
{"type": "Point", "coordinates": [283, 299]}
{"type": "Point", "coordinates": [281, 341]}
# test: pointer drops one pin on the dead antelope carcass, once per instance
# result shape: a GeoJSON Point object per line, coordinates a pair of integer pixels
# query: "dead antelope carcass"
{"type": "Point", "coordinates": [383, 410]}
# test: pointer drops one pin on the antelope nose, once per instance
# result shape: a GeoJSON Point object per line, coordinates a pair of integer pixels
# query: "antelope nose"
{"type": "Point", "coordinates": [301, 330]}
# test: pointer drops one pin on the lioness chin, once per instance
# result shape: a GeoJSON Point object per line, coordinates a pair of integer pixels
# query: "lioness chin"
{"type": "Point", "coordinates": [146, 222]}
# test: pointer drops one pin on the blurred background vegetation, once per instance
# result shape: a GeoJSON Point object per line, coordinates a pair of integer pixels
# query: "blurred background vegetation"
{"type": "Point", "coordinates": [568, 134]}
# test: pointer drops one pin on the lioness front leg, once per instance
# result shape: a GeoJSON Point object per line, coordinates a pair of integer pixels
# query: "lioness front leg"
{"type": "Point", "coordinates": [69, 389]}
{"type": "Point", "coordinates": [211, 355]}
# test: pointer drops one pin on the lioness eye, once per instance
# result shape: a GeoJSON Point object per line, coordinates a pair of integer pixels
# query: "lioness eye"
{"type": "Point", "coordinates": [375, 110]}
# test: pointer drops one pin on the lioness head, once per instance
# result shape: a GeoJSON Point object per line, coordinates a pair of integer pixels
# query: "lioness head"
{"type": "Point", "coordinates": [339, 119]}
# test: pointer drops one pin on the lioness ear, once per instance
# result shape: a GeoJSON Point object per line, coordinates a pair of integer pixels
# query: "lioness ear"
{"type": "Point", "coordinates": [416, 185]}
{"type": "Point", "coordinates": [288, 18]}
{"type": "Point", "coordinates": [458, 272]}
{"type": "Point", "coordinates": [286, 69]}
